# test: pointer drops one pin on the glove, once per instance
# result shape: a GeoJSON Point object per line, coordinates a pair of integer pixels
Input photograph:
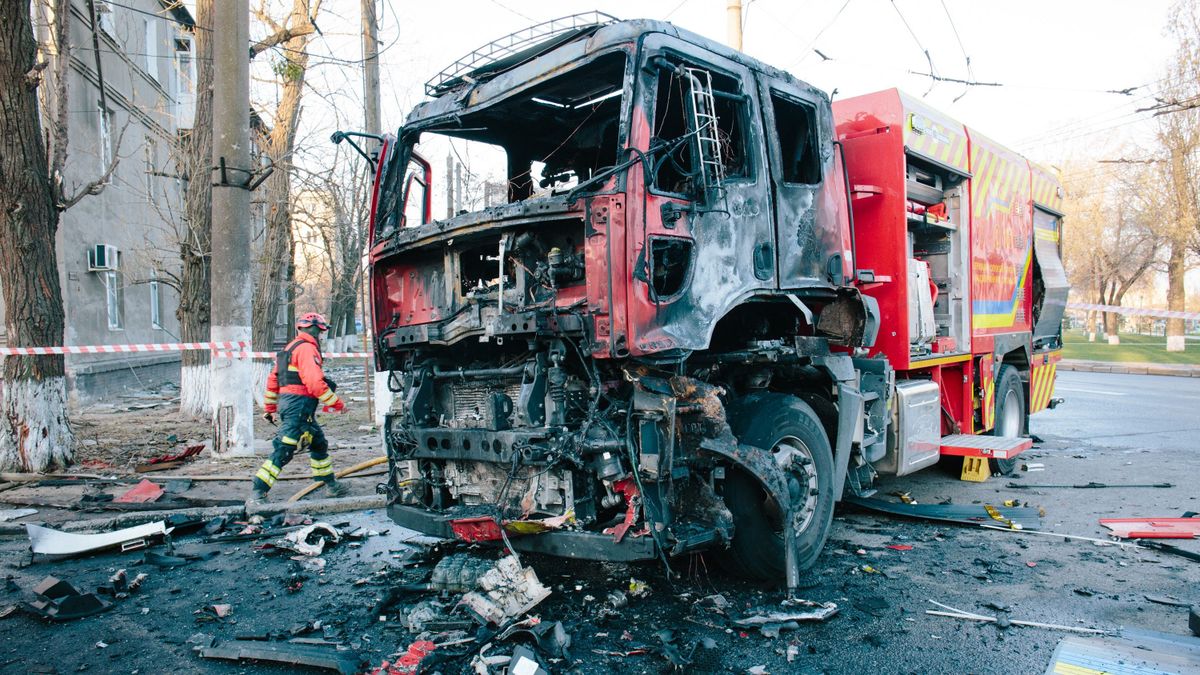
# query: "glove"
{"type": "Point", "coordinates": [337, 407]}
{"type": "Point", "coordinates": [269, 417]}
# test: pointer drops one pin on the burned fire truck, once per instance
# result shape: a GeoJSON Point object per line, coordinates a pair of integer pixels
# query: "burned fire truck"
{"type": "Point", "coordinates": [696, 304]}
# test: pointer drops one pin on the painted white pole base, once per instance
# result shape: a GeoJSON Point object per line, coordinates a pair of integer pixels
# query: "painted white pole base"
{"type": "Point", "coordinates": [232, 398]}
{"type": "Point", "coordinates": [1176, 343]}
{"type": "Point", "coordinates": [1114, 339]}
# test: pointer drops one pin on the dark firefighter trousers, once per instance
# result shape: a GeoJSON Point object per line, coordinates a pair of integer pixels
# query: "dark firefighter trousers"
{"type": "Point", "coordinates": [297, 425]}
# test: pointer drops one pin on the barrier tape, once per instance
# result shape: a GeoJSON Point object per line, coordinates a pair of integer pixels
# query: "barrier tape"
{"type": "Point", "coordinates": [228, 350]}
{"type": "Point", "coordinates": [1134, 311]}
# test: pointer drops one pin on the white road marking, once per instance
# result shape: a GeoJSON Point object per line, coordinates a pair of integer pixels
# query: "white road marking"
{"type": "Point", "coordinates": [1090, 391]}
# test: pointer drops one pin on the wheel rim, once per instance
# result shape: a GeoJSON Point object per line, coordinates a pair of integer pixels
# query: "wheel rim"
{"type": "Point", "coordinates": [794, 456]}
{"type": "Point", "coordinates": [1010, 415]}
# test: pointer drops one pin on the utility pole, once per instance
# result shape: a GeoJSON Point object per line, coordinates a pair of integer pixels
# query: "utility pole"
{"type": "Point", "coordinates": [232, 378]}
{"type": "Point", "coordinates": [449, 185]}
{"type": "Point", "coordinates": [381, 401]}
{"type": "Point", "coordinates": [733, 23]}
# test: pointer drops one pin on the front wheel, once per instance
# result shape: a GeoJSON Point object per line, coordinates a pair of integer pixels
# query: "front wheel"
{"type": "Point", "coordinates": [1011, 420]}
{"type": "Point", "coordinates": [789, 429]}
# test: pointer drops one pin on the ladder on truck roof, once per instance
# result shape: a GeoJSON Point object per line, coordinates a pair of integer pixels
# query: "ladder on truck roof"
{"type": "Point", "coordinates": [704, 122]}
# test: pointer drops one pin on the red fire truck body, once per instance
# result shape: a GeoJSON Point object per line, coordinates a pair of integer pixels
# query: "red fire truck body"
{"type": "Point", "coordinates": [986, 223]}
{"type": "Point", "coordinates": [703, 304]}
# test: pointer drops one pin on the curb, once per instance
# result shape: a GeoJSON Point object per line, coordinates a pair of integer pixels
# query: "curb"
{"type": "Point", "coordinates": [313, 507]}
{"type": "Point", "coordinates": [1131, 368]}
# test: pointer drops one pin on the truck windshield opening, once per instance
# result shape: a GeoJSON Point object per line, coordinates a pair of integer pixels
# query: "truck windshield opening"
{"type": "Point", "coordinates": [542, 141]}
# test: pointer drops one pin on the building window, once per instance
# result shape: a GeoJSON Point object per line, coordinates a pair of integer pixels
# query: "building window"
{"type": "Point", "coordinates": [155, 305]}
{"type": "Point", "coordinates": [185, 83]}
{"type": "Point", "coordinates": [104, 17]}
{"type": "Point", "coordinates": [151, 149]}
{"type": "Point", "coordinates": [105, 151]}
{"type": "Point", "coordinates": [115, 296]}
{"type": "Point", "coordinates": [152, 47]}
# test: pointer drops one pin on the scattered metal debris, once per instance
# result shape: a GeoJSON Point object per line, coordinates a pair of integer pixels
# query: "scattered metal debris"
{"type": "Point", "coordinates": [787, 617]}
{"type": "Point", "coordinates": [145, 491]}
{"type": "Point", "coordinates": [58, 600]}
{"type": "Point", "coordinates": [507, 591]}
{"type": "Point", "coordinates": [1004, 622]}
{"type": "Point", "coordinates": [1153, 528]}
{"type": "Point", "coordinates": [343, 661]}
{"type": "Point", "coordinates": [950, 513]}
{"type": "Point", "coordinates": [1167, 600]}
{"type": "Point", "coordinates": [48, 541]}
{"type": "Point", "coordinates": [1167, 548]}
{"type": "Point", "coordinates": [13, 514]}
{"type": "Point", "coordinates": [311, 540]}
{"type": "Point", "coordinates": [1090, 485]}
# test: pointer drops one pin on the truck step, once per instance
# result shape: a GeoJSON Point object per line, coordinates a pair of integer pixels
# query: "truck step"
{"type": "Point", "coordinates": [995, 447]}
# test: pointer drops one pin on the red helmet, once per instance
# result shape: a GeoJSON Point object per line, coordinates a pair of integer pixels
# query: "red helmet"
{"type": "Point", "coordinates": [312, 319]}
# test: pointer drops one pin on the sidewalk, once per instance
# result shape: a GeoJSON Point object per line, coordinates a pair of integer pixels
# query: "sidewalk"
{"type": "Point", "coordinates": [1129, 368]}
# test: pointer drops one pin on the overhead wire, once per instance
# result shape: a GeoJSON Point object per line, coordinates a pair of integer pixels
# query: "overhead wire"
{"type": "Point", "coordinates": [963, 49]}
{"type": "Point", "coordinates": [928, 57]}
{"type": "Point", "coordinates": [805, 53]}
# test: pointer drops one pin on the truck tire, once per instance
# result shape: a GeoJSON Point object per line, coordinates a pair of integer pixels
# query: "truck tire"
{"type": "Point", "coordinates": [1010, 418]}
{"type": "Point", "coordinates": [789, 428]}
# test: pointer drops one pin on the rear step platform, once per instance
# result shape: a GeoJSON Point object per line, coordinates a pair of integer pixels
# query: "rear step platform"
{"type": "Point", "coordinates": [994, 447]}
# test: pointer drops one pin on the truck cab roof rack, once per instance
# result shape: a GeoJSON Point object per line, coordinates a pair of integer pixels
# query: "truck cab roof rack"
{"type": "Point", "coordinates": [516, 48]}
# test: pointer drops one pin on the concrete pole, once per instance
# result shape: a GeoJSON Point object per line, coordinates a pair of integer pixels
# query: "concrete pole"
{"type": "Point", "coordinates": [733, 23]}
{"type": "Point", "coordinates": [449, 185]}
{"type": "Point", "coordinates": [233, 402]}
{"type": "Point", "coordinates": [379, 397]}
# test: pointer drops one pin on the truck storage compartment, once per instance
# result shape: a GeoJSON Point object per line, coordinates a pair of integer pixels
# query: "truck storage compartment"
{"type": "Point", "coordinates": [914, 438]}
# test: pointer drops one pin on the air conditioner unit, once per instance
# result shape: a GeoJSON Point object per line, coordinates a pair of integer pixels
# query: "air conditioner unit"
{"type": "Point", "coordinates": [104, 258]}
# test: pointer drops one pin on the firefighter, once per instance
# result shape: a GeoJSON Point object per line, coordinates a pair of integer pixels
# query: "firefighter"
{"type": "Point", "coordinates": [294, 389]}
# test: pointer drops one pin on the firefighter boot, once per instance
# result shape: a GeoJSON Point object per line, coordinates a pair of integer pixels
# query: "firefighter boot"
{"type": "Point", "coordinates": [257, 497]}
{"type": "Point", "coordinates": [337, 489]}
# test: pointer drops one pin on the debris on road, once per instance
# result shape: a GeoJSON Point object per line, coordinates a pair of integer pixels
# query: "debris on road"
{"type": "Point", "coordinates": [1167, 548]}
{"type": "Point", "coordinates": [951, 513]}
{"type": "Point", "coordinates": [346, 662]}
{"type": "Point", "coordinates": [169, 461]}
{"type": "Point", "coordinates": [13, 514]}
{"type": "Point", "coordinates": [1153, 528]}
{"type": "Point", "coordinates": [1167, 600]}
{"type": "Point", "coordinates": [770, 621]}
{"type": "Point", "coordinates": [508, 590]}
{"type": "Point", "coordinates": [1004, 622]}
{"type": "Point", "coordinates": [1086, 486]}
{"type": "Point", "coordinates": [311, 540]}
{"type": "Point", "coordinates": [48, 541]}
{"type": "Point", "coordinates": [145, 491]}
{"type": "Point", "coordinates": [1135, 651]}
{"type": "Point", "coordinates": [58, 600]}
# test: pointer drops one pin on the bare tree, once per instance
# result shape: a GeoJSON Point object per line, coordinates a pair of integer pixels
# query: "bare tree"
{"type": "Point", "coordinates": [1116, 234]}
{"type": "Point", "coordinates": [1178, 135]}
{"type": "Point", "coordinates": [36, 433]}
{"type": "Point", "coordinates": [332, 210]}
{"type": "Point", "coordinates": [291, 38]}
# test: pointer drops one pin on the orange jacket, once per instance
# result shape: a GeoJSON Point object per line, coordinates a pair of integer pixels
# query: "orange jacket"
{"type": "Point", "coordinates": [305, 362]}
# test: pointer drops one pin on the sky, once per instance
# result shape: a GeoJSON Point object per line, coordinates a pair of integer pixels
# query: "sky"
{"type": "Point", "coordinates": [1056, 59]}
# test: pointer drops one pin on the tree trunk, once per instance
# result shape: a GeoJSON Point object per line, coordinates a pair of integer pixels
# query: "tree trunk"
{"type": "Point", "coordinates": [195, 245]}
{"type": "Point", "coordinates": [1176, 295]}
{"type": "Point", "coordinates": [35, 434]}
{"type": "Point", "coordinates": [274, 260]}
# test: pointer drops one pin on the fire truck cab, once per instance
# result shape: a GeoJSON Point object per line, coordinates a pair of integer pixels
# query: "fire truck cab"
{"type": "Point", "coordinates": [690, 303]}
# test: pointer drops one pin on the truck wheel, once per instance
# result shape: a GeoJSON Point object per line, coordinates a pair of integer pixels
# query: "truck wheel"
{"type": "Point", "coordinates": [793, 433]}
{"type": "Point", "coordinates": [1011, 420]}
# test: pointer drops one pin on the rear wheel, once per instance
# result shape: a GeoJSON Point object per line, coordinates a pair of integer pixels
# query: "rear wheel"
{"type": "Point", "coordinates": [1011, 420]}
{"type": "Point", "coordinates": [789, 429]}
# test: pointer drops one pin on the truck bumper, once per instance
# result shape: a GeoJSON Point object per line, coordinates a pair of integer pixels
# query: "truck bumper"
{"type": "Point", "coordinates": [565, 543]}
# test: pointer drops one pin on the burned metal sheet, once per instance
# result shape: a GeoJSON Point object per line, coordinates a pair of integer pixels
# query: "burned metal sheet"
{"type": "Point", "coordinates": [345, 662]}
{"type": "Point", "coordinates": [952, 513]}
{"type": "Point", "coordinates": [54, 542]}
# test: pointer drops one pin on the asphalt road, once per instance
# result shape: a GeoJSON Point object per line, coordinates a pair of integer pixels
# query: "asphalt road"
{"type": "Point", "coordinates": [1113, 428]}
{"type": "Point", "coordinates": [1132, 412]}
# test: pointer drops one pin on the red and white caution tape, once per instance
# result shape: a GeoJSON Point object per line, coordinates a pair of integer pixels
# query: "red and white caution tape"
{"type": "Point", "coordinates": [1134, 311]}
{"type": "Point", "coordinates": [122, 349]}
{"type": "Point", "coordinates": [228, 350]}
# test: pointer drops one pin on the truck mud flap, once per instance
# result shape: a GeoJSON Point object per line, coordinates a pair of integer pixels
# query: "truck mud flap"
{"type": "Point", "coordinates": [563, 543]}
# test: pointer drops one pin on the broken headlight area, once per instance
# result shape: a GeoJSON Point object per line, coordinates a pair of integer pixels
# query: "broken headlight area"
{"type": "Point", "coordinates": [538, 449]}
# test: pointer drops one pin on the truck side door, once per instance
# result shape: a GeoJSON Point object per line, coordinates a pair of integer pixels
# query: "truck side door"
{"type": "Point", "coordinates": [809, 197]}
{"type": "Point", "coordinates": [696, 253]}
